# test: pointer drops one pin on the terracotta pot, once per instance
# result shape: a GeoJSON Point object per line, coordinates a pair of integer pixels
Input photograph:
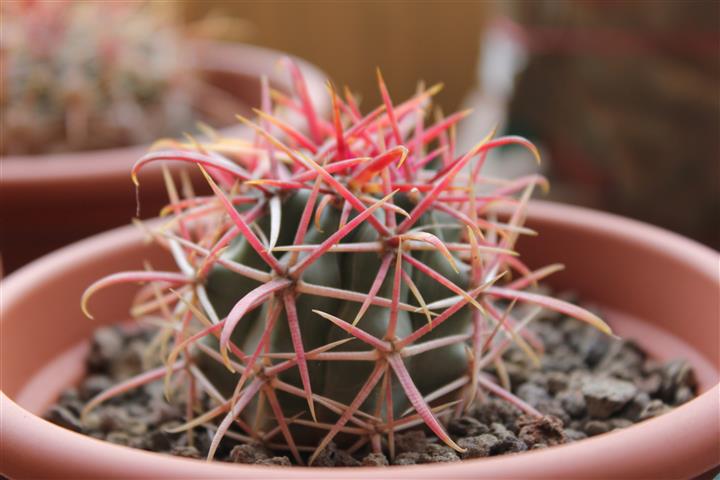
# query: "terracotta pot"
{"type": "Point", "coordinates": [656, 287]}
{"type": "Point", "coordinates": [47, 201]}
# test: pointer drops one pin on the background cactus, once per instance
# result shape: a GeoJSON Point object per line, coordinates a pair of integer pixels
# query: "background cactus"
{"type": "Point", "coordinates": [85, 75]}
{"type": "Point", "coordinates": [344, 283]}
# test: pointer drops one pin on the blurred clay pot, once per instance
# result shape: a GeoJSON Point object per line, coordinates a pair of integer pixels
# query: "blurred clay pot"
{"type": "Point", "coordinates": [47, 201]}
{"type": "Point", "coordinates": [653, 286]}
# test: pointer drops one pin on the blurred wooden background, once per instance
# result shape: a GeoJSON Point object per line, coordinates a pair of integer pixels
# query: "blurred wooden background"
{"type": "Point", "coordinates": [434, 41]}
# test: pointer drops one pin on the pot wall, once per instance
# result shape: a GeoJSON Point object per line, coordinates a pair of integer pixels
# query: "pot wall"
{"type": "Point", "coordinates": [637, 270]}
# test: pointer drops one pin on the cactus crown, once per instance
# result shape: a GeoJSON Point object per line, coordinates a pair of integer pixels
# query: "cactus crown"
{"type": "Point", "coordinates": [84, 75]}
{"type": "Point", "coordinates": [344, 283]}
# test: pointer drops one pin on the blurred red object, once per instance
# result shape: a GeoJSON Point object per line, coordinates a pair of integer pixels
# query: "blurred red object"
{"type": "Point", "coordinates": [626, 100]}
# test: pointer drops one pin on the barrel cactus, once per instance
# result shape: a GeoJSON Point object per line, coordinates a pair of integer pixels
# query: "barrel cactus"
{"type": "Point", "coordinates": [343, 282]}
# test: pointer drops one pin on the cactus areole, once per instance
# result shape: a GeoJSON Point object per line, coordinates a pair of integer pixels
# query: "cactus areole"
{"type": "Point", "coordinates": [344, 282]}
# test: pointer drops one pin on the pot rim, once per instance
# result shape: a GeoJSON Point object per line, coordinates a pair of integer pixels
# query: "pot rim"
{"type": "Point", "coordinates": [599, 452]}
{"type": "Point", "coordinates": [94, 165]}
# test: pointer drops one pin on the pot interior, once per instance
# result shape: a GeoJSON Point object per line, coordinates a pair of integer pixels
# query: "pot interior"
{"type": "Point", "coordinates": [656, 290]}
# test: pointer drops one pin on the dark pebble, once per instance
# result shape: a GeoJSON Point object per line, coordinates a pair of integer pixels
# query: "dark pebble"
{"type": "Point", "coordinates": [478, 446]}
{"type": "Point", "coordinates": [185, 451]}
{"type": "Point", "coordinates": [653, 409]}
{"type": "Point", "coordinates": [533, 394]}
{"type": "Point", "coordinates": [557, 382]}
{"type": "Point", "coordinates": [573, 402]}
{"type": "Point", "coordinates": [94, 384]}
{"type": "Point", "coordinates": [651, 384]}
{"type": "Point", "coordinates": [435, 453]}
{"type": "Point", "coordinates": [562, 359]}
{"type": "Point", "coordinates": [596, 427]}
{"type": "Point", "coordinates": [63, 417]}
{"type": "Point", "coordinates": [332, 456]}
{"type": "Point", "coordinates": [282, 461]}
{"type": "Point", "coordinates": [123, 438]}
{"type": "Point", "coordinates": [636, 406]}
{"type": "Point", "coordinates": [508, 442]}
{"type": "Point", "coordinates": [551, 336]}
{"type": "Point", "coordinates": [576, 424]}
{"type": "Point", "coordinates": [683, 395]}
{"type": "Point", "coordinates": [111, 418]}
{"type": "Point", "coordinates": [106, 345]}
{"type": "Point", "coordinates": [677, 378]}
{"type": "Point", "coordinates": [605, 396]}
{"type": "Point", "coordinates": [619, 423]}
{"type": "Point", "coordinates": [159, 441]}
{"type": "Point", "coordinates": [407, 458]}
{"type": "Point", "coordinates": [375, 460]}
{"type": "Point", "coordinates": [412, 441]}
{"type": "Point", "coordinates": [539, 378]}
{"type": "Point", "coordinates": [249, 453]}
{"type": "Point", "coordinates": [573, 435]}
{"type": "Point", "coordinates": [518, 373]}
{"type": "Point", "coordinates": [547, 430]}
{"type": "Point", "coordinates": [130, 360]}
{"type": "Point", "coordinates": [467, 427]}
{"type": "Point", "coordinates": [70, 399]}
{"type": "Point", "coordinates": [624, 360]}
{"type": "Point", "coordinates": [592, 346]}
{"type": "Point", "coordinates": [554, 408]}
{"type": "Point", "coordinates": [493, 410]}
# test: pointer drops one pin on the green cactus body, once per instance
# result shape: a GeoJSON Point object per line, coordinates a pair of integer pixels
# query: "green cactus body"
{"type": "Point", "coordinates": [224, 287]}
{"type": "Point", "coordinates": [341, 380]}
{"type": "Point", "coordinates": [314, 329]}
{"type": "Point", "coordinates": [344, 379]}
{"type": "Point", "coordinates": [440, 366]}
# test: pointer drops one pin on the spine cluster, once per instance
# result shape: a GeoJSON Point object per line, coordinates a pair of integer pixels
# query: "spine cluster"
{"type": "Point", "coordinates": [347, 278]}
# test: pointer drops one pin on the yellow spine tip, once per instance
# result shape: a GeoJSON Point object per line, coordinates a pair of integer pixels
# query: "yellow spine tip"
{"type": "Point", "coordinates": [536, 154]}
{"type": "Point", "coordinates": [312, 410]}
{"type": "Point", "coordinates": [226, 359]}
{"type": "Point", "coordinates": [84, 307]}
{"type": "Point", "coordinates": [403, 155]}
